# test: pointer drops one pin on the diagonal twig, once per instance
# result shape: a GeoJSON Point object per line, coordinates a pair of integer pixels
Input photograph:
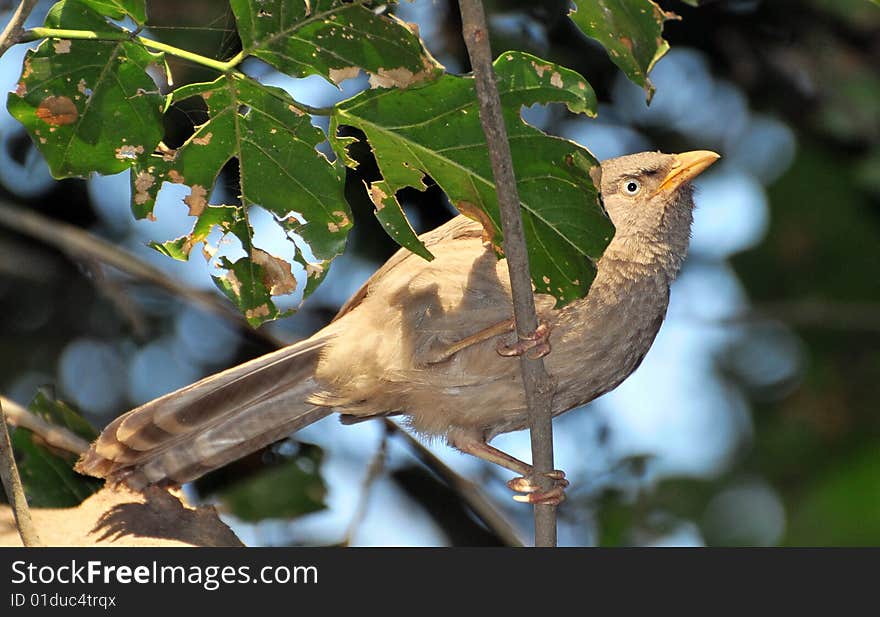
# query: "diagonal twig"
{"type": "Point", "coordinates": [54, 435]}
{"type": "Point", "coordinates": [14, 491]}
{"type": "Point", "coordinates": [80, 244]}
{"type": "Point", "coordinates": [538, 386]}
{"type": "Point", "coordinates": [374, 470]}
{"type": "Point", "coordinates": [476, 500]}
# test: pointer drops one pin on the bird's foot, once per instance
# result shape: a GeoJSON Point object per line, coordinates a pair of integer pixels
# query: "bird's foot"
{"type": "Point", "coordinates": [535, 346]}
{"type": "Point", "coordinates": [534, 494]}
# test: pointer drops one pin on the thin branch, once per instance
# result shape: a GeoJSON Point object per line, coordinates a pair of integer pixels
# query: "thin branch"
{"type": "Point", "coordinates": [539, 388]}
{"type": "Point", "coordinates": [56, 436]}
{"type": "Point", "coordinates": [467, 490]}
{"type": "Point", "coordinates": [12, 33]}
{"type": "Point", "coordinates": [80, 244]}
{"type": "Point", "coordinates": [813, 313]}
{"type": "Point", "coordinates": [374, 470]}
{"type": "Point", "coordinates": [14, 491]}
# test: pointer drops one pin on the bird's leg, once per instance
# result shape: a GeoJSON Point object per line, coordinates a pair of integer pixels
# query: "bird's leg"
{"type": "Point", "coordinates": [502, 327]}
{"type": "Point", "coordinates": [536, 346]}
{"type": "Point", "coordinates": [524, 484]}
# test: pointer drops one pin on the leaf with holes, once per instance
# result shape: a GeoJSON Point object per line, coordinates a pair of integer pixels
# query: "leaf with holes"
{"type": "Point", "coordinates": [333, 38]}
{"type": "Point", "coordinates": [435, 130]}
{"type": "Point", "coordinates": [629, 30]}
{"type": "Point", "coordinates": [88, 105]}
{"type": "Point", "coordinates": [280, 171]}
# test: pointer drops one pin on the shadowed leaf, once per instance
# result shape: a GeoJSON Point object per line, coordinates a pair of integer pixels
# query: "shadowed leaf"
{"type": "Point", "coordinates": [629, 30]}
{"type": "Point", "coordinates": [46, 473]}
{"type": "Point", "coordinates": [435, 130]}
{"type": "Point", "coordinates": [117, 9]}
{"type": "Point", "coordinates": [288, 488]}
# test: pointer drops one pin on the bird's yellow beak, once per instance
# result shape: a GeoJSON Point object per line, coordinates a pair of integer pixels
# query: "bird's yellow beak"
{"type": "Point", "coordinates": [687, 166]}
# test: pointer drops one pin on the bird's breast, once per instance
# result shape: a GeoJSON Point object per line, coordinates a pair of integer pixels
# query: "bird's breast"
{"type": "Point", "coordinates": [599, 341]}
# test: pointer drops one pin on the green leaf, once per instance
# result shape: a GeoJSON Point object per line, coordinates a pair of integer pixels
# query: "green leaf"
{"type": "Point", "coordinates": [435, 130]}
{"type": "Point", "coordinates": [280, 171]}
{"type": "Point", "coordinates": [285, 490]}
{"type": "Point", "coordinates": [332, 38]}
{"type": "Point", "coordinates": [180, 248]}
{"type": "Point", "coordinates": [117, 9]}
{"type": "Point", "coordinates": [47, 474]}
{"type": "Point", "coordinates": [629, 30]}
{"type": "Point", "coordinates": [840, 506]}
{"type": "Point", "coordinates": [88, 105]}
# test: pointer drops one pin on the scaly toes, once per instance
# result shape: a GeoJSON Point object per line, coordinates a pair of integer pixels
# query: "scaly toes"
{"type": "Point", "coordinates": [553, 497]}
{"type": "Point", "coordinates": [535, 346]}
{"type": "Point", "coordinates": [535, 495]}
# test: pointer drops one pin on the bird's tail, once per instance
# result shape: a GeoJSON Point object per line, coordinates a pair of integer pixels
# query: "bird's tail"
{"type": "Point", "coordinates": [187, 433]}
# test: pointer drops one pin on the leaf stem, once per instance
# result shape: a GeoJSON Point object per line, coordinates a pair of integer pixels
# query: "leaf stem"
{"type": "Point", "coordinates": [228, 67]}
{"type": "Point", "coordinates": [124, 35]}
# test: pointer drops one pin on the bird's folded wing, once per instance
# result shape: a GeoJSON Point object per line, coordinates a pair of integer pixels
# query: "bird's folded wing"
{"type": "Point", "coordinates": [457, 227]}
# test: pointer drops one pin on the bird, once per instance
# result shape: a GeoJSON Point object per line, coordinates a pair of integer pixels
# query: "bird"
{"type": "Point", "coordinates": [432, 341]}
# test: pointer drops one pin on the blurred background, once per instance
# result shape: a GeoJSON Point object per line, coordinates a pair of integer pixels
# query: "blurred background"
{"type": "Point", "coordinates": [755, 418]}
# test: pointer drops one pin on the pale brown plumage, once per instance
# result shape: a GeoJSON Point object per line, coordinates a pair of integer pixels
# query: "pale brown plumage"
{"type": "Point", "coordinates": [420, 339]}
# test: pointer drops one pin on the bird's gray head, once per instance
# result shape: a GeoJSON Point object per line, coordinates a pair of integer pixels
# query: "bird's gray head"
{"type": "Point", "coordinates": [649, 199]}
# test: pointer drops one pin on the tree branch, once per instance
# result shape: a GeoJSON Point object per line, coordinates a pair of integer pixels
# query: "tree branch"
{"type": "Point", "coordinates": [538, 385]}
{"type": "Point", "coordinates": [14, 491]}
{"type": "Point", "coordinates": [14, 30]}
{"type": "Point", "coordinates": [56, 436]}
{"type": "Point", "coordinates": [80, 244]}
{"type": "Point", "coordinates": [374, 470]}
{"type": "Point", "coordinates": [467, 490]}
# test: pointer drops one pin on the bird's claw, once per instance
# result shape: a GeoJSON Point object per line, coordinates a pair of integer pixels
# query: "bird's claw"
{"type": "Point", "coordinates": [535, 346]}
{"type": "Point", "coordinates": [535, 495]}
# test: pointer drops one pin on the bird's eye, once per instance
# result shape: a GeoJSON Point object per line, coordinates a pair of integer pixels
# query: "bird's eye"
{"type": "Point", "coordinates": [632, 187]}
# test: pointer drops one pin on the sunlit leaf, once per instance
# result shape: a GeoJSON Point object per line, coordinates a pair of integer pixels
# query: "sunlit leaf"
{"type": "Point", "coordinates": [88, 105]}
{"type": "Point", "coordinates": [333, 38]}
{"type": "Point", "coordinates": [435, 130]}
{"type": "Point", "coordinates": [629, 30]}
{"type": "Point", "coordinates": [280, 171]}
{"type": "Point", "coordinates": [47, 474]}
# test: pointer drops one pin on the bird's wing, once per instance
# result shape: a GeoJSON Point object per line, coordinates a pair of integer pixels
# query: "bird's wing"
{"type": "Point", "coordinates": [457, 227]}
{"type": "Point", "coordinates": [414, 315]}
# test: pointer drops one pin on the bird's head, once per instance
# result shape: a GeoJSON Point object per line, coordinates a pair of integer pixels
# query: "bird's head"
{"type": "Point", "coordinates": [648, 195]}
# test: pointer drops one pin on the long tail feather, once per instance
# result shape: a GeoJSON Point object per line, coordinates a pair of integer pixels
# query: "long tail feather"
{"type": "Point", "coordinates": [183, 435]}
